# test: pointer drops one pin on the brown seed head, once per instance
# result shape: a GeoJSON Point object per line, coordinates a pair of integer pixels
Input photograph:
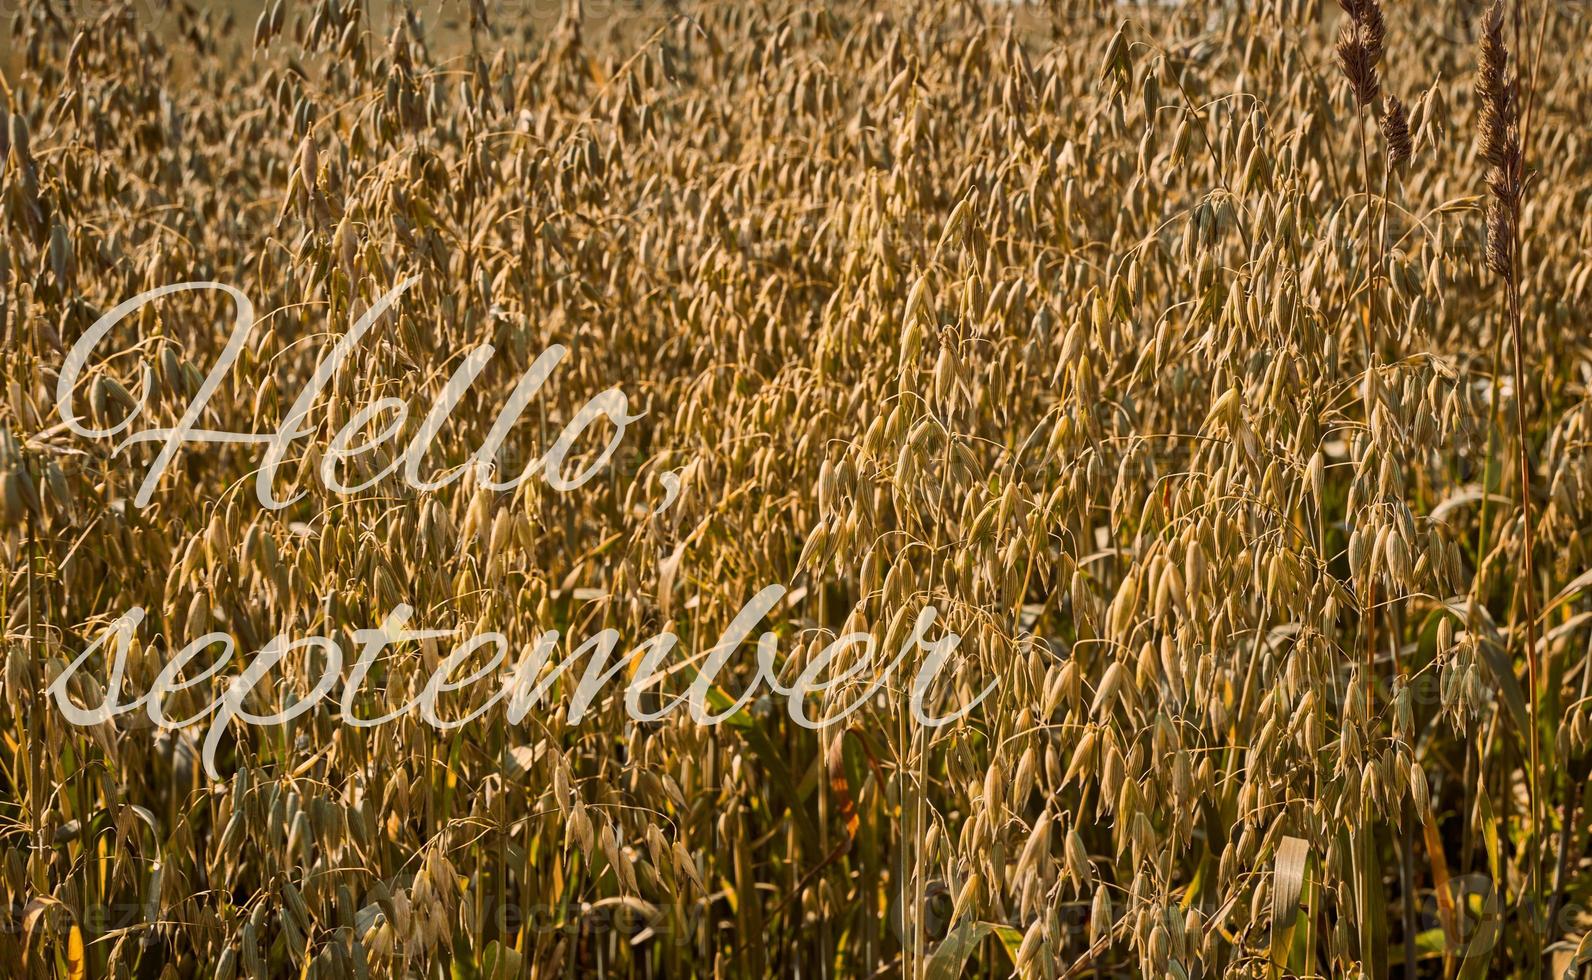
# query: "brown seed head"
{"type": "Point", "coordinates": [1358, 64]}
{"type": "Point", "coordinates": [1500, 237]}
{"type": "Point", "coordinates": [1396, 129]}
{"type": "Point", "coordinates": [1373, 29]}
{"type": "Point", "coordinates": [1500, 140]}
{"type": "Point", "coordinates": [1495, 89]}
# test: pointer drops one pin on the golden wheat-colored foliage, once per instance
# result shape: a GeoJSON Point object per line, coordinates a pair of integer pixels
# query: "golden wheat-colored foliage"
{"type": "Point", "coordinates": [1219, 371]}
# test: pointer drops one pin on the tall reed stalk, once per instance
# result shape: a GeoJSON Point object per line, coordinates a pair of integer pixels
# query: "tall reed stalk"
{"type": "Point", "coordinates": [1497, 86]}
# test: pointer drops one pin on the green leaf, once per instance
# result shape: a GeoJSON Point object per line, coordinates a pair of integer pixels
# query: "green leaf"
{"type": "Point", "coordinates": [1370, 902]}
{"type": "Point", "coordinates": [1010, 939]}
{"type": "Point", "coordinates": [1483, 940]}
{"type": "Point", "coordinates": [1429, 944]}
{"type": "Point", "coordinates": [499, 962]}
{"type": "Point", "coordinates": [1489, 829]}
{"type": "Point", "coordinates": [949, 960]}
{"type": "Point", "coordinates": [720, 702]}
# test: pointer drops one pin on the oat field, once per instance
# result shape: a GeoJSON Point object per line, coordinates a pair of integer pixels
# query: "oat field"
{"type": "Point", "coordinates": [1218, 372]}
